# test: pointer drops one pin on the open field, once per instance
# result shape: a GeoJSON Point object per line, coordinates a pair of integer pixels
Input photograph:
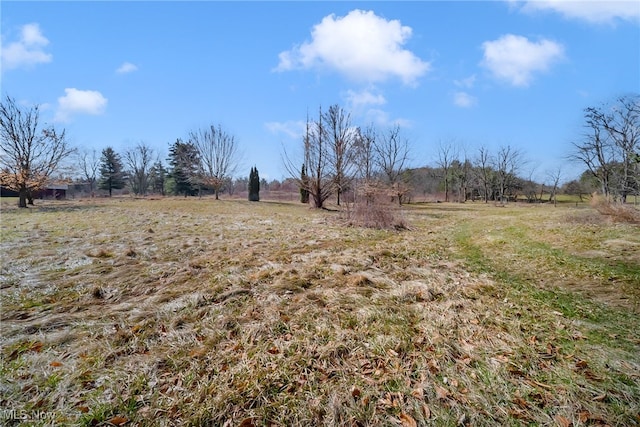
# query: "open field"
{"type": "Point", "coordinates": [206, 313]}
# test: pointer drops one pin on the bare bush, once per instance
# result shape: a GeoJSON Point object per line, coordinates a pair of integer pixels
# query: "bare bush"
{"type": "Point", "coordinates": [373, 209]}
{"type": "Point", "coordinates": [617, 212]}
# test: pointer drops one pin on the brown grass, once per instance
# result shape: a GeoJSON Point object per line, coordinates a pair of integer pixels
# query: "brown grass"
{"type": "Point", "coordinates": [238, 313]}
{"type": "Point", "coordinates": [617, 212]}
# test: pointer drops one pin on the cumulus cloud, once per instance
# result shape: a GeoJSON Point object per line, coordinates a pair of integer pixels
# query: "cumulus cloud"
{"type": "Point", "coordinates": [126, 67]}
{"type": "Point", "coordinates": [515, 59]}
{"type": "Point", "coordinates": [361, 46]}
{"type": "Point", "coordinates": [77, 101]}
{"type": "Point", "coordinates": [464, 100]}
{"type": "Point", "coordinates": [593, 11]}
{"type": "Point", "coordinates": [27, 51]}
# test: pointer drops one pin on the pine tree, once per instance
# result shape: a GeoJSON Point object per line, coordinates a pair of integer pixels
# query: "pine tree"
{"type": "Point", "coordinates": [157, 177]}
{"type": "Point", "coordinates": [254, 185]}
{"type": "Point", "coordinates": [111, 175]}
{"type": "Point", "coordinates": [184, 162]}
{"type": "Point", "coordinates": [304, 188]}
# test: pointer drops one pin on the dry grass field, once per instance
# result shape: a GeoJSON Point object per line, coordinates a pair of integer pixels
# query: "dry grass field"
{"type": "Point", "coordinates": [198, 312]}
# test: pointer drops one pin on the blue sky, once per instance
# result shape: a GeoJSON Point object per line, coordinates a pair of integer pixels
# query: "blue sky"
{"type": "Point", "coordinates": [480, 73]}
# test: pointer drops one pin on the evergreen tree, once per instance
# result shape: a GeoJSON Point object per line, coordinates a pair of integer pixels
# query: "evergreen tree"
{"type": "Point", "coordinates": [254, 185]}
{"type": "Point", "coordinates": [111, 175]}
{"type": "Point", "coordinates": [184, 162]}
{"type": "Point", "coordinates": [304, 188]}
{"type": "Point", "coordinates": [157, 177]}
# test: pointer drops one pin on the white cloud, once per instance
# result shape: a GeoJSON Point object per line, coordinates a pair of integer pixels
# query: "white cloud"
{"type": "Point", "coordinates": [594, 11]}
{"type": "Point", "coordinates": [464, 100]}
{"type": "Point", "coordinates": [515, 59]}
{"type": "Point", "coordinates": [466, 82]}
{"type": "Point", "coordinates": [293, 129]}
{"type": "Point", "coordinates": [360, 45]}
{"type": "Point", "coordinates": [126, 67]}
{"type": "Point", "coordinates": [27, 51]}
{"type": "Point", "coordinates": [358, 100]}
{"type": "Point", "coordinates": [77, 101]}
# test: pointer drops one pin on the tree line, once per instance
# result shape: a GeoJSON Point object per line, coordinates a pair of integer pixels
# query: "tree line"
{"type": "Point", "coordinates": [336, 159]}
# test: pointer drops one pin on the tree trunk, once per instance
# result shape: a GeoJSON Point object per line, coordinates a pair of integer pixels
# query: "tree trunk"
{"type": "Point", "coordinates": [22, 198]}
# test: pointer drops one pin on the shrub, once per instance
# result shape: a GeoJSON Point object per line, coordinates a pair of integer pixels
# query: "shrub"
{"type": "Point", "coordinates": [374, 209]}
{"type": "Point", "coordinates": [617, 212]}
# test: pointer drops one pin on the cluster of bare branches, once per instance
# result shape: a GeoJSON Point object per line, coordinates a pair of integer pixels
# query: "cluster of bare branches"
{"type": "Point", "coordinates": [30, 153]}
{"type": "Point", "coordinates": [218, 156]}
{"type": "Point", "coordinates": [610, 147]}
{"type": "Point", "coordinates": [338, 156]}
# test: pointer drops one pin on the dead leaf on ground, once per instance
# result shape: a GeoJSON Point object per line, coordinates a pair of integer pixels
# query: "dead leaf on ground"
{"type": "Point", "coordinates": [563, 421]}
{"type": "Point", "coordinates": [118, 421]}
{"type": "Point", "coordinates": [418, 393]}
{"type": "Point", "coordinates": [441, 392]}
{"type": "Point", "coordinates": [407, 420]}
{"type": "Point", "coordinates": [247, 422]}
{"type": "Point", "coordinates": [55, 364]}
{"type": "Point", "coordinates": [355, 392]}
{"type": "Point", "coordinates": [426, 411]}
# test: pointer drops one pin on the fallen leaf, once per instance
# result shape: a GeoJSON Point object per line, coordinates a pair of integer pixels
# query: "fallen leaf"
{"type": "Point", "coordinates": [520, 402]}
{"type": "Point", "coordinates": [418, 393]}
{"type": "Point", "coordinates": [426, 411]}
{"type": "Point", "coordinates": [55, 364]}
{"type": "Point", "coordinates": [355, 392]}
{"type": "Point", "coordinates": [562, 421]}
{"type": "Point", "coordinates": [407, 420]}
{"type": "Point", "coordinates": [247, 422]}
{"type": "Point", "coordinates": [441, 392]}
{"type": "Point", "coordinates": [582, 364]}
{"type": "Point", "coordinates": [118, 421]}
{"type": "Point", "coordinates": [198, 352]}
{"type": "Point", "coordinates": [83, 409]}
{"type": "Point", "coordinates": [583, 416]}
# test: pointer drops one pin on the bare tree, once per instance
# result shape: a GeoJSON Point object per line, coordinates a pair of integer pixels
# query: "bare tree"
{"type": "Point", "coordinates": [392, 155]}
{"type": "Point", "coordinates": [484, 172]}
{"type": "Point", "coordinates": [507, 162]}
{"type": "Point", "coordinates": [218, 153]}
{"type": "Point", "coordinates": [447, 153]}
{"type": "Point", "coordinates": [611, 146]}
{"type": "Point", "coordinates": [139, 160]}
{"type": "Point", "coordinates": [89, 162]}
{"type": "Point", "coordinates": [319, 182]}
{"type": "Point", "coordinates": [554, 177]}
{"type": "Point", "coordinates": [30, 154]}
{"type": "Point", "coordinates": [365, 152]}
{"type": "Point", "coordinates": [342, 139]}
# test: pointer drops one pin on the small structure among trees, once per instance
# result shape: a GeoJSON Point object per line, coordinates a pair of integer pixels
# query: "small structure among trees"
{"type": "Point", "coordinates": [29, 153]}
{"type": "Point", "coordinates": [254, 185]}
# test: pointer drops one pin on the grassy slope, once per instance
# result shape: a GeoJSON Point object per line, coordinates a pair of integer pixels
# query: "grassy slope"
{"type": "Point", "coordinates": [196, 312]}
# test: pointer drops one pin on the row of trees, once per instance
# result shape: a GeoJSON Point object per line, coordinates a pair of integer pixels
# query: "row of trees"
{"type": "Point", "coordinates": [206, 161]}
{"type": "Point", "coordinates": [336, 156]}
